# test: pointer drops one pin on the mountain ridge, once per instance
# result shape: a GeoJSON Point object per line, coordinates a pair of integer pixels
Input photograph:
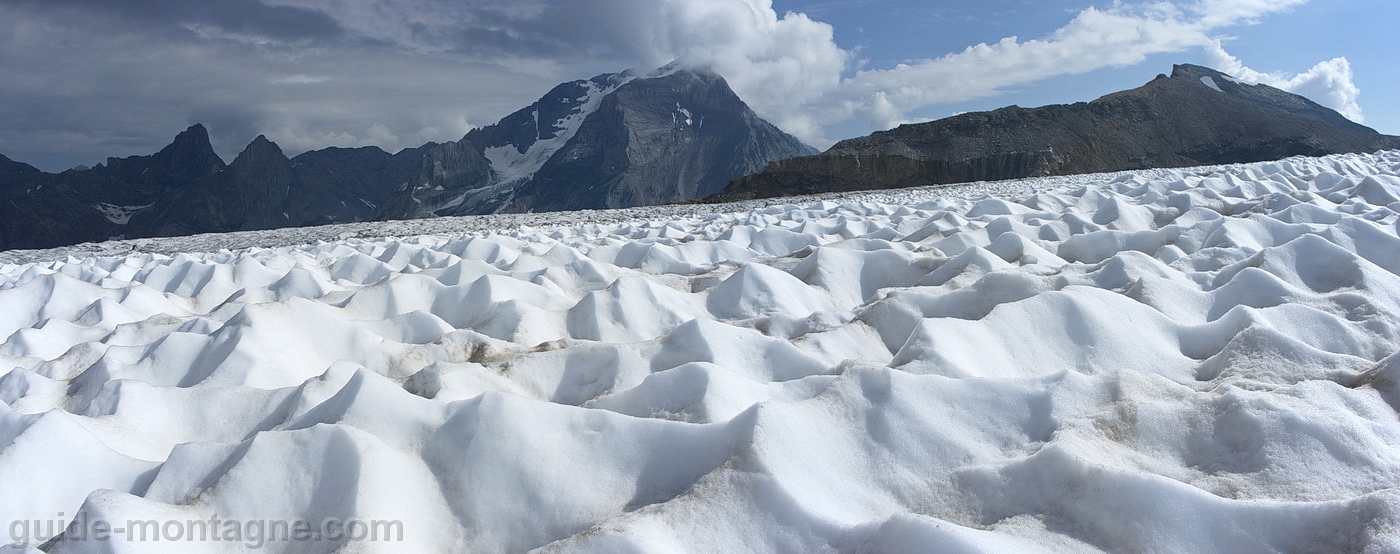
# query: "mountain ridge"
{"type": "Point", "coordinates": [1196, 116]}
{"type": "Point", "coordinates": [649, 144]}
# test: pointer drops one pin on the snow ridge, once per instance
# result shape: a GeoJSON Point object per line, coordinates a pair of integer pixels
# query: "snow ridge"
{"type": "Point", "coordinates": [1170, 360]}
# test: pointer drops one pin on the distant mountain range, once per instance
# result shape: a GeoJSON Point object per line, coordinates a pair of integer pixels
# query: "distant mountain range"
{"type": "Point", "coordinates": [1196, 116]}
{"type": "Point", "coordinates": [623, 139]}
{"type": "Point", "coordinates": [616, 140]}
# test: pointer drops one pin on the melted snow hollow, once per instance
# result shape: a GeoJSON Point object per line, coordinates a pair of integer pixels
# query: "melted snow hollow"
{"type": "Point", "coordinates": [1168, 360]}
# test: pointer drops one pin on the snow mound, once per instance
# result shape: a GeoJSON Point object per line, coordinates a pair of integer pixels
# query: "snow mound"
{"type": "Point", "coordinates": [1201, 359]}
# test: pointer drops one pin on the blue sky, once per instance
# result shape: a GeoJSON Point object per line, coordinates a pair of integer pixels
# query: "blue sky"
{"type": "Point", "coordinates": [86, 79]}
{"type": "Point", "coordinates": [1281, 43]}
{"type": "Point", "coordinates": [1287, 42]}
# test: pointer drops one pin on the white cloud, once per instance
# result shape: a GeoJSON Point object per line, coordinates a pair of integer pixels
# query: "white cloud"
{"type": "Point", "coordinates": [777, 64]}
{"type": "Point", "coordinates": [1328, 83]}
{"type": "Point", "coordinates": [790, 70]}
{"type": "Point", "coordinates": [788, 66]}
{"type": "Point", "coordinates": [1222, 13]}
{"type": "Point", "coordinates": [1118, 36]}
{"type": "Point", "coordinates": [1093, 39]}
{"type": "Point", "coordinates": [298, 79]}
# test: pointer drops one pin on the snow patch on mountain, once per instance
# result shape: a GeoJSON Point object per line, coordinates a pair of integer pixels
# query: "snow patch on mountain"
{"type": "Point", "coordinates": [510, 165]}
{"type": "Point", "coordinates": [118, 214]}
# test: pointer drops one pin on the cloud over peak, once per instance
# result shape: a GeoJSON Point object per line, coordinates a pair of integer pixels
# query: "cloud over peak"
{"type": "Point", "coordinates": [1328, 83]}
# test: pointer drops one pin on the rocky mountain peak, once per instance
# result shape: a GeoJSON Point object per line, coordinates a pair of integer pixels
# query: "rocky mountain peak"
{"type": "Point", "coordinates": [615, 140]}
{"type": "Point", "coordinates": [260, 146]}
{"type": "Point", "coordinates": [187, 158]}
{"type": "Point", "coordinates": [261, 151]}
{"type": "Point", "coordinates": [1191, 71]}
{"type": "Point", "coordinates": [194, 137]}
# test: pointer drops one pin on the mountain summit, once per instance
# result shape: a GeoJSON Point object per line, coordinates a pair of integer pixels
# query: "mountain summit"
{"type": "Point", "coordinates": [1196, 116]}
{"type": "Point", "coordinates": [616, 140]}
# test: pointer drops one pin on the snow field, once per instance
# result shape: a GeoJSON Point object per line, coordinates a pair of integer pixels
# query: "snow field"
{"type": "Point", "coordinates": [1171, 360]}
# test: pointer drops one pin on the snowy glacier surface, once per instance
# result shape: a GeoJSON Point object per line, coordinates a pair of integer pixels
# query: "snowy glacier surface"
{"type": "Point", "coordinates": [1201, 359]}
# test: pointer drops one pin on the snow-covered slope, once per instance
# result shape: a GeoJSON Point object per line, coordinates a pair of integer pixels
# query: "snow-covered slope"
{"type": "Point", "coordinates": [1170, 360]}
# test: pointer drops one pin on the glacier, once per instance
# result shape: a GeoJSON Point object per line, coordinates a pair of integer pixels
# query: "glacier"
{"type": "Point", "coordinates": [1200, 359]}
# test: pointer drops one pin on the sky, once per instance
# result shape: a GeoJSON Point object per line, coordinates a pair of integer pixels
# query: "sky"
{"type": "Point", "coordinates": [81, 80]}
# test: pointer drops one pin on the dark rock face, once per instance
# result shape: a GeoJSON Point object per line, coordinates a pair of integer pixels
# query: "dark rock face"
{"type": "Point", "coordinates": [616, 140]}
{"type": "Point", "coordinates": [262, 189]}
{"type": "Point", "coordinates": [612, 141]}
{"type": "Point", "coordinates": [188, 158]}
{"type": "Point", "coordinates": [1197, 116]}
{"type": "Point", "coordinates": [20, 223]}
{"type": "Point", "coordinates": [358, 179]}
{"type": "Point", "coordinates": [251, 193]}
{"type": "Point", "coordinates": [654, 141]}
{"type": "Point", "coordinates": [186, 188]}
{"type": "Point", "coordinates": [40, 209]}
